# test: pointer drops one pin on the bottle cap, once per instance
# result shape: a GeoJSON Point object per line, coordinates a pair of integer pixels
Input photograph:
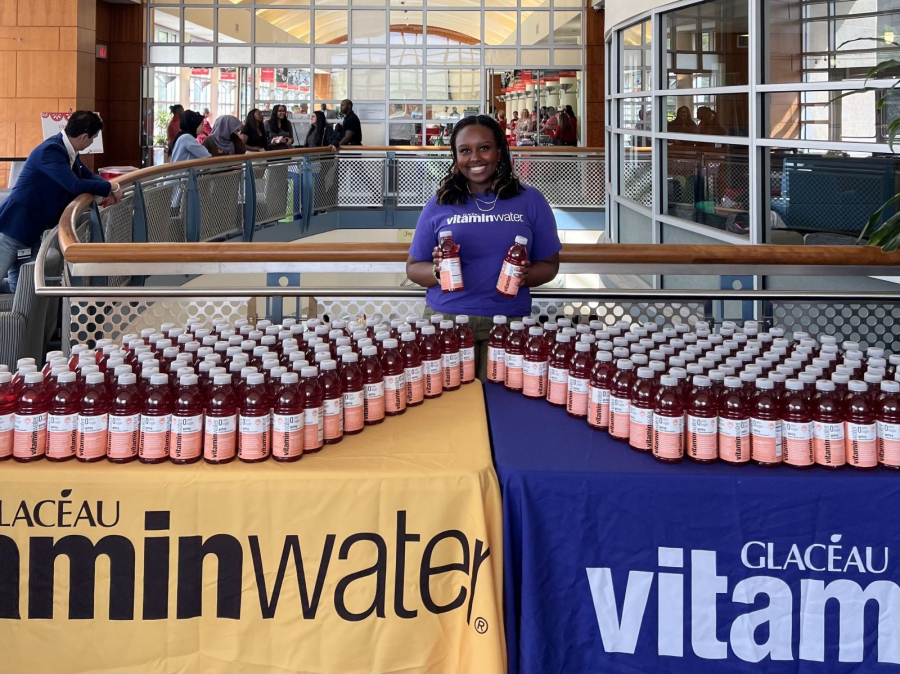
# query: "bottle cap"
{"type": "Point", "coordinates": [235, 366]}
{"type": "Point", "coordinates": [889, 386]}
{"type": "Point", "coordinates": [765, 384]}
{"type": "Point", "coordinates": [657, 366]}
{"type": "Point", "coordinates": [370, 351]}
{"type": "Point", "coordinates": [727, 369]}
{"type": "Point", "coordinates": [637, 348]}
{"type": "Point", "coordinates": [327, 365]}
{"type": "Point", "coordinates": [777, 377]}
{"type": "Point", "coordinates": [562, 337]}
{"type": "Point", "coordinates": [639, 359]}
{"type": "Point", "coordinates": [426, 330]}
{"type": "Point", "coordinates": [645, 373]}
{"type": "Point", "coordinates": [324, 348]}
{"type": "Point", "coordinates": [620, 352]}
{"type": "Point", "coordinates": [444, 234]}
{"type": "Point", "coordinates": [256, 335]}
{"type": "Point", "coordinates": [625, 364]}
{"type": "Point", "coordinates": [306, 372]}
{"type": "Point", "coordinates": [271, 355]}
{"type": "Point", "coordinates": [258, 351]}
{"type": "Point", "coordinates": [247, 371]}
{"type": "Point", "coordinates": [113, 363]}
{"type": "Point", "coordinates": [334, 334]}
{"type": "Point", "coordinates": [747, 377]}
{"type": "Point", "coordinates": [254, 379]}
{"type": "Point", "coordinates": [858, 386]}
{"type": "Point", "coordinates": [289, 378]}
{"type": "Point", "coordinates": [171, 352]}
{"type": "Point", "coordinates": [390, 344]}
{"type": "Point", "coordinates": [793, 385]}
{"type": "Point", "coordinates": [277, 372]}
{"type": "Point", "coordinates": [617, 341]}
{"type": "Point", "coordinates": [349, 357]}
{"type": "Point", "coordinates": [678, 372]}
{"type": "Point", "coordinates": [406, 337]}
{"type": "Point", "coordinates": [700, 380]}
{"type": "Point", "coordinates": [604, 356]}
{"type": "Point", "coordinates": [66, 377]}
{"type": "Point", "coordinates": [183, 371]}
{"type": "Point", "coordinates": [706, 363]}
{"type": "Point", "coordinates": [894, 359]}
{"type": "Point", "coordinates": [840, 378]}
{"type": "Point", "coordinates": [605, 345]}
{"type": "Point", "coordinates": [437, 318]}
{"type": "Point", "coordinates": [216, 371]}
{"type": "Point", "coordinates": [522, 240]}
{"type": "Point", "coordinates": [322, 356]}
{"type": "Point", "coordinates": [876, 362]}
{"type": "Point", "coordinates": [126, 379]}
{"type": "Point", "coordinates": [807, 378]}
{"type": "Point", "coordinates": [754, 369]}
{"type": "Point", "coordinates": [694, 369]}
{"type": "Point", "coordinates": [121, 369]}
{"type": "Point", "coordinates": [583, 347]}
{"type": "Point", "coordinates": [535, 331]}
{"type": "Point", "coordinates": [675, 361]}
{"type": "Point", "coordinates": [587, 338]}
{"type": "Point", "coordinates": [872, 378]}
{"type": "Point", "coordinates": [462, 319]}
{"type": "Point", "coordinates": [157, 379]}
{"type": "Point", "coordinates": [668, 380]}
{"type": "Point", "coordinates": [448, 325]}
{"type": "Point", "coordinates": [56, 362]}
{"type": "Point", "coordinates": [206, 366]}
{"type": "Point", "coordinates": [814, 371]}
{"type": "Point", "coordinates": [188, 379]}
{"type": "Point", "coordinates": [87, 369]}
{"type": "Point", "coordinates": [551, 326]}
{"type": "Point", "coordinates": [733, 382]}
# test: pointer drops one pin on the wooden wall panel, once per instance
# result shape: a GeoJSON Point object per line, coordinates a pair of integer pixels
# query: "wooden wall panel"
{"type": "Point", "coordinates": [41, 72]}
{"type": "Point", "coordinates": [28, 39]}
{"type": "Point", "coordinates": [594, 75]}
{"type": "Point", "coordinates": [48, 12]}
{"type": "Point", "coordinates": [28, 137]}
{"type": "Point", "coordinates": [8, 13]}
{"type": "Point", "coordinates": [7, 74]}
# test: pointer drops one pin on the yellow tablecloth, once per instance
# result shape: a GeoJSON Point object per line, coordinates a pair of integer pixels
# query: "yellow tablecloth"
{"type": "Point", "coordinates": [398, 531]}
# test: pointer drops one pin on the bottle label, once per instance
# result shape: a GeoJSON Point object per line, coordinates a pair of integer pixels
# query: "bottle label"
{"type": "Point", "coordinates": [496, 364]}
{"type": "Point", "coordinates": [510, 278]}
{"type": "Point", "coordinates": [861, 445]}
{"type": "Point", "coordinates": [557, 385]}
{"type": "Point", "coordinates": [577, 402]}
{"type": "Point", "coordinates": [333, 422]}
{"type": "Point", "coordinates": [124, 436]}
{"type": "Point", "coordinates": [434, 377]}
{"type": "Point", "coordinates": [353, 410]}
{"type": "Point", "coordinates": [253, 437]}
{"type": "Point", "coordinates": [29, 435]}
{"type": "Point", "coordinates": [734, 440]}
{"type": "Point", "coordinates": [313, 428]}
{"type": "Point", "coordinates": [186, 437]}
{"type": "Point", "coordinates": [451, 369]}
{"type": "Point", "coordinates": [394, 392]}
{"type": "Point", "coordinates": [7, 428]}
{"type": "Point", "coordinates": [451, 274]}
{"type": "Point", "coordinates": [619, 417]}
{"type": "Point", "coordinates": [62, 435]}
{"type": "Point", "coordinates": [534, 378]}
{"type": "Point", "coordinates": [514, 378]}
{"type": "Point", "coordinates": [598, 407]}
{"type": "Point", "coordinates": [220, 439]}
{"type": "Point", "coordinates": [92, 431]}
{"type": "Point", "coordinates": [154, 436]}
{"type": "Point", "coordinates": [287, 435]}
{"type": "Point", "coordinates": [765, 440]}
{"type": "Point", "coordinates": [640, 429]}
{"type": "Point", "coordinates": [467, 364]}
{"type": "Point", "coordinates": [415, 384]}
{"type": "Point", "coordinates": [828, 444]}
{"type": "Point", "coordinates": [374, 401]}
{"type": "Point", "coordinates": [702, 437]}
{"type": "Point", "coordinates": [798, 444]}
{"type": "Point", "coordinates": [888, 443]}
{"type": "Point", "coordinates": [668, 437]}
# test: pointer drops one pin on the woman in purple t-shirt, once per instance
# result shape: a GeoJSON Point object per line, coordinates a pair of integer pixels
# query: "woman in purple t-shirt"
{"type": "Point", "coordinates": [483, 203]}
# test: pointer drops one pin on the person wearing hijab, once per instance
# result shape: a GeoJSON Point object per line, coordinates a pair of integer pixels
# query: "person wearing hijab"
{"type": "Point", "coordinates": [186, 146]}
{"type": "Point", "coordinates": [317, 136]}
{"type": "Point", "coordinates": [225, 138]}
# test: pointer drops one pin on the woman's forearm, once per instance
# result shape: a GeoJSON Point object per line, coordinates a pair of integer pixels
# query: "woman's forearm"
{"type": "Point", "coordinates": [541, 272]}
{"type": "Point", "coordinates": [421, 273]}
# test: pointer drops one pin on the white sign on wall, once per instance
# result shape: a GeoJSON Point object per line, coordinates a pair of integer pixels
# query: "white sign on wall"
{"type": "Point", "coordinates": [54, 122]}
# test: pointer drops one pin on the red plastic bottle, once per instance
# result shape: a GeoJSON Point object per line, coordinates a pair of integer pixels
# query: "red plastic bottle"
{"type": "Point", "coordinates": [601, 380]}
{"type": "Point", "coordinates": [7, 416]}
{"type": "Point", "coordinates": [413, 370]}
{"type": "Point", "coordinates": [643, 400]}
{"type": "Point", "coordinates": [432, 362]}
{"type": "Point", "coordinates": [30, 421]}
{"type": "Point", "coordinates": [254, 421]}
{"type": "Point", "coordinates": [62, 419]}
{"type": "Point", "coordinates": [859, 418]}
{"type": "Point", "coordinates": [766, 445]}
{"type": "Point", "coordinates": [558, 370]}
{"type": "Point", "coordinates": [620, 400]}
{"type": "Point", "coordinates": [579, 381]}
{"type": "Point", "coordinates": [373, 386]}
{"type": "Point", "coordinates": [466, 350]}
{"type": "Point", "coordinates": [93, 420]}
{"type": "Point", "coordinates": [515, 357]}
{"type": "Point", "coordinates": [186, 430]}
{"type": "Point", "coordinates": [352, 393]}
{"type": "Point", "coordinates": [288, 429]}
{"type": "Point", "coordinates": [496, 365]}
{"type": "Point", "coordinates": [333, 403]}
{"type": "Point", "coordinates": [513, 266]}
{"type": "Point", "coordinates": [156, 420]}
{"type": "Point", "coordinates": [451, 266]}
{"type": "Point", "coordinates": [668, 421]}
{"type": "Point", "coordinates": [394, 379]}
{"type": "Point", "coordinates": [220, 428]}
{"type": "Point", "coordinates": [449, 342]}
{"type": "Point", "coordinates": [829, 449]}
{"type": "Point", "coordinates": [124, 436]}
{"type": "Point", "coordinates": [887, 423]}
{"type": "Point", "coordinates": [534, 365]}
{"type": "Point", "coordinates": [313, 410]}
{"type": "Point", "coordinates": [734, 423]}
{"type": "Point", "coordinates": [797, 425]}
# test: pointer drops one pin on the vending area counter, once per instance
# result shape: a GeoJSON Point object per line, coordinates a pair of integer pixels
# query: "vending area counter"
{"type": "Point", "coordinates": [617, 563]}
{"type": "Point", "coordinates": [380, 553]}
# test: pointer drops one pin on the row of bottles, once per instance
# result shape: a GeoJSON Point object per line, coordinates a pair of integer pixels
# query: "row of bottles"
{"type": "Point", "coordinates": [735, 396]}
{"type": "Point", "coordinates": [219, 395]}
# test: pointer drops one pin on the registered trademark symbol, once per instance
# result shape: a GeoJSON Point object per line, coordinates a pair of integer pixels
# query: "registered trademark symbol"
{"type": "Point", "coordinates": [481, 625]}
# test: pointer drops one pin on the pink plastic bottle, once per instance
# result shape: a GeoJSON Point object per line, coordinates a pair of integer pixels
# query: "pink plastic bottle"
{"type": "Point", "coordinates": [734, 424]}
{"type": "Point", "coordinates": [313, 410]}
{"type": "Point", "coordinates": [7, 416]}
{"type": "Point", "coordinates": [449, 342]}
{"type": "Point", "coordinates": [220, 428]}
{"type": "Point", "coordinates": [30, 421]}
{"type": "Point", "coordinates": [254, 421]}
{"type": "Point", "coordinates": [620, 400]}
{"type": "Point", "coordinates": [859, 418]}
{"type": "Point", "coordinates": [797, 426]}
{"type": "Point", "coordinates": [93, 420]}
{"type": "Point", "coordinates": [352, 393]}
{"type": "Point", "coordinates": [413, 369]}
{"type": "Point", "coordinates": [373, 386]}
{"type": "Point", "coordinates": [514, 377]}
{"type": "Point", "coordinates": [186, 430]}
{"type": "Point", "coordinates": [466, 350]}
{"type": "Point", "coordinates": [333, 408]}
{"type": "Point", "coordinates": [156, 420]}
{"type": "Point", "coordinates": [126, 403]}
{"type": "Point", "coordinates": [496, 366]}
{"type": "Point", "coordinates": [287, 420]}
{"type": "Point", "coordinates": [558, 370]}
{"type": "Point", "coordinates": [601, 380]}
{"type": "Point", "coordinates": [394, 379]}
{"type": "Point", "coordinates": [579, 381]}
{"type": "Point", "coordinates": [534, 366]}
{"type": "Point", "coordinates": [432, 362]}
{"type": "Point", "coordinates": [829, 450]}
{"type": "Point", "coordinates": [513, 266]}
{"type": "Point", "coordinates": [887, 422]}
{"type": "Point", "coordinates": [668, 421]}
{"type": "Point", "coordinates": [766, 446]}
{"type": "Point", "coordinates": [62, 419]}
{"type": "Point", "coordinates": [451, 266]}
{"type": "Point", "coordinates": [643, 400]}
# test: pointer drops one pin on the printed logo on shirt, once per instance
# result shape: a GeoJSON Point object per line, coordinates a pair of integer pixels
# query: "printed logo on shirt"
{"type": "Point", "coordinates": [464, 218]}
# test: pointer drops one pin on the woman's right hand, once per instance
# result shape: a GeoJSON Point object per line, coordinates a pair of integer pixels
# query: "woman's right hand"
{"type": "Point", "coordinates": [436, 257]}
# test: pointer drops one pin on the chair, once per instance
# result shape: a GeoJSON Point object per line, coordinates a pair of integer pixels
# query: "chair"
{"type": "Point", "coordinates": [27, 321]}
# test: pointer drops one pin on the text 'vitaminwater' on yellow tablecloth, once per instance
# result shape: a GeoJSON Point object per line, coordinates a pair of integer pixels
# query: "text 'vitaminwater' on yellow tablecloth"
{"type": "Point", "coordinates": [394, 534]}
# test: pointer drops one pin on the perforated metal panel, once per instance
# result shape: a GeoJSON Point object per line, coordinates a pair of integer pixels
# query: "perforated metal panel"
{"type": "Point", "coordinates": [116, 221]}
{"type": "Point", "coordinates": [564, 182]}
{"type": "Point", "coordinates": [637, 182]}
{"type": "Point", "coordinates": [275, 186]}
{"type": "Point", "coordinates": [325, 182]}
{"type": "Point", "coordinates": [360, 181]}
{"type": "Point", "coordinates": [869, 324]}
{"type": "Point", "coordinates": [418, 179]}
{"type": "Point", "coordinates": [221, 202]}
{"type": "Point", "coordinates": [334, 307]}
{"type": "Point", "coordinates": [166, 209]}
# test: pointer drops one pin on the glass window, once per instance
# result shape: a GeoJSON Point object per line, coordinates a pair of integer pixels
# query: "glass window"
{"type": "Point", "coordinates": [330, 84]}
{"type": "Point", "coordinates": [367, 85]}
{"type": "Point", "coordinates": [636, 58]}
{"type": "Point", "coordinates": [405, 111]}
{"type": "Point", "coordinates": [280, 26]}
{"type": "Point", "coordinates": [716, 115]}
{"type": "Point", "coordinates": [405, 133]}
{"type": "Point", "coordinates": [227, 93]}
{"type": "Point", "coordinates": [861, 117]}
{"type": "Point", "coordinates": [454, 3]}
{"type": "Point", "coordinates": [234, 25]}
{"type": "Point", "coordinates": [406, 57]}
{"type": "Point", "coordinates": [567, 28]}
{"type": "Point", "coordinates": [500, 57]}
{"type": "Point", "coordinates": [707, 45]}
{"type": "Point", "coordinates": [535, 57]}
{"type": "Point", "coordinates": [450, 111]}
{"type": "Point", "coordinates": [283, 3]}
{"type": "Point", "coordinates": [406, 84]}
{"type": "Point", "coordinates": [331, 26]}
{"type": "Point", "coordinates": [368, 26]}
{"type": "Point", "coordinates": [453, 28]}
{"type": "Point", "coordinates": [365, 56]}
{"type": "Point", "coordinates": [499, 3]}
{"type": "Point", "coordinates": [166, 24]}
{"type": "Point", "coordinates": [281, 85]}
{"type": "Point", "coordinates": [635, 181]}
{"type": "Point", "coordinates": [331, 57]}
{"type": "Point", "coordinates": [454, 85]}
{"type": "Point", "coordinates": [634, 113]}
{"type": "Point", "coordinates": [283, 55]}
{"type": "Point", "coordinates": [501, 27]}
{"type": "Point", "coordinates": [198, 25]}
{"type": "Point", "coordinates": [534, 28]}
{"type": "Point", "coordinates": [454, 57]}
{"type": "Point", "coordinates": [406, 27]}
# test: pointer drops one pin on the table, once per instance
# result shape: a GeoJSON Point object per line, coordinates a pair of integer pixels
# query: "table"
{"type": "Point", "coordinates": [400, 533]}
{"type": "Point", "coordinates": [616, 563]}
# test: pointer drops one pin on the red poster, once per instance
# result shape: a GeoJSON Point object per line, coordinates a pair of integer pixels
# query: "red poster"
{"type": "Point", "coordinates": [267, 74]}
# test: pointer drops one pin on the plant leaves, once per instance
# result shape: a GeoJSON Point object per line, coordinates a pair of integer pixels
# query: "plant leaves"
{"type": "Point", "coordinates": [876, 216]}
{"type": "Point", "coordinates": [893, 129]}
{"type": "Point", "coordinates": [889, 234]}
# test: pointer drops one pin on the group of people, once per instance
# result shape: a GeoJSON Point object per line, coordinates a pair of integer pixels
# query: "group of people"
{"type": "Point", "coordinates": [191, 137]}
{"type": "Point", "coordinates": [707, 122]}
{"type": "Point", "coordinates": [560, 125]}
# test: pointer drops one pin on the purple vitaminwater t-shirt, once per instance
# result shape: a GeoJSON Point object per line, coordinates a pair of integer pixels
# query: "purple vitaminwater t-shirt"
{"type": "Point", "coordinates": [484, 236]}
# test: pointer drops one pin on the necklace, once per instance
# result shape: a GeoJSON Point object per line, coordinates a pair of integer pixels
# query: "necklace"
{"type": "Point", "coordinates": [478, 204]}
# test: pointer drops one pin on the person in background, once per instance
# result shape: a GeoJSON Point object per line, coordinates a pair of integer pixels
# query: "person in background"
{"type": "Point", "coordinates": [709, 123]}
{"type": "Point", "coordinates": [253, 133]}
{"type": "Point", "coordinates": [225, 137]}
{"type": "Point", "coordinates": [501, 120]}
{"type": "Point", "coordinates": [328, 112]}
{"type": "Point", "coordinates": [543, 116]}
{"type": "Point", "coordinates": [206, 127]}
{"type": "Point", "coordinates": [551, 124]}
{"type": "Point", "coordinates": [480, 180]}
{"type": "Point", "coordinates": [352, 130]}
{"type": "Point", "coordinates": [571, 113]}
{"type": "Point", "coordinates": [683, 122]}
{"type": "Point", "coordinates": [566, 133]}
{"type": "Point", "coordinates": [319, 134]}
{"type": "Point", "coordinates": [174, 127]}
{"type": "Point", "coordinates": [524, 126]}
{"type": "Point", "coordinates": [52, 177]}
{"type": "Point", "coordinates": [279, 130]}
{"type": "Point", "coordinates": [187, 146]}
{"type": "Point", "coordinates": [514, 122]}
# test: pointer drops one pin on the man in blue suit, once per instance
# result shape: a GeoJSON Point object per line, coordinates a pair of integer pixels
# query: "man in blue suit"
{"type": "Point", "coordinates": [51, 178]}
